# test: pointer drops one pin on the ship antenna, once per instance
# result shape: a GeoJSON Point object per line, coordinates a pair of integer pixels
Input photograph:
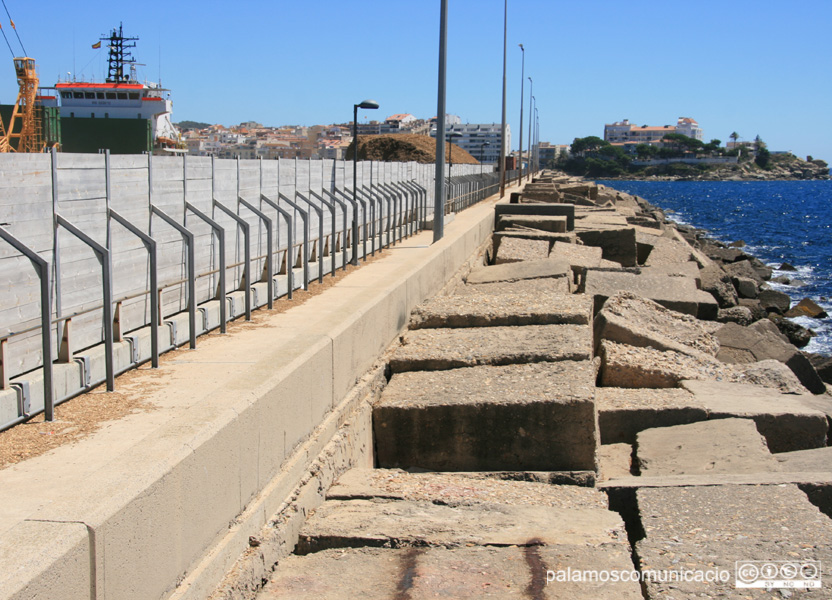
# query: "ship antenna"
{"type": "Point", "coordinates": [119, 55]}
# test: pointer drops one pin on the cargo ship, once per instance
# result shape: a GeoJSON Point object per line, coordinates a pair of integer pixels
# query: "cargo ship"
{"type": "Point", "coordinates": [121, 114]}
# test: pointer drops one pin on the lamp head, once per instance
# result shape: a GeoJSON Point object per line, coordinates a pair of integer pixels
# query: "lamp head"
{"type": "Point", "coordinates": [368, 104]}
{"type": "Point", "coordinates": [521, 47]}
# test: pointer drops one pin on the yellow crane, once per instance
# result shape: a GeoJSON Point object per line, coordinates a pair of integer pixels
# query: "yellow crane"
{"type": "Point", "coordinates": [25, 124]}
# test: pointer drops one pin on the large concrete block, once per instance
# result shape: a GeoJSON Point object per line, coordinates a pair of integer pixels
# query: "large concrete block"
{"type": "Point", "coordinates": [543, 209]}
{"type": "Point", "coordinates": [630, 319]}
{"type": "Point", "coordinates": [553, 224]}
{"type": "Point", "coordinates": [518, 271]}
{"type": "Point", "coordinates": [676, 293]}
{"type": "Point", "coordinates": [513, 249]}
{"type": "Point", "coordinates": [509, 308]}
{"type": "Point", "coordinates": [440, 349]}
{"type": "Point", "coordinates": [623, 412]}
{"type": "Point", "coordinates": [376, 574]}
{"type": "Point", "coordinates": [617, 245]}
{"type": "Point", "coordinates": [718, 446]}
{"type": "Point", "coordinates": [737, 341]}
{"type": "Point", "coordinates": [454, 489]}
{"type": "Point", "coordinates": [536, 417]}
{"type": "Point", "coordinates": [783, 419]}
{"type": "Point", "coordinates": [339, 523]}
{"type": "Point", "coordinates": [710, 528]}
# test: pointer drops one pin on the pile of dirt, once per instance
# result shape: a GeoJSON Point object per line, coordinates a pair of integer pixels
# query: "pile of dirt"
{"type": "Point", "coordinates": [406, 147]}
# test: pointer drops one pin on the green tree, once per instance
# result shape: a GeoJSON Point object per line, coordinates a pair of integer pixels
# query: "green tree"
{"type": "Point", "coordinates": [763, 158]}
{"type": "Point", "coordinates": [587, 144]}
{"type": "Point", "coordinates": [646, 151]}
{"type": "Point", "coordinates": [712, 147]}
{"type": "Point", "coordinates": [734, 137]}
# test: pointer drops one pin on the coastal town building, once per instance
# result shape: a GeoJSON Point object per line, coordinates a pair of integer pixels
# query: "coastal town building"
{"type": "Point", "coordinates": [480, 140]}
{"type": "Point", "coordinates": [626, 133]}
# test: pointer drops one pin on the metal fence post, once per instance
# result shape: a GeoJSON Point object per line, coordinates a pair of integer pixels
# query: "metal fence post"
{"type": "Point", "coordinates": [104, 257]}
{"type": "Point", "coordinates": [268, 266]}
{"type": "Point", "coordinates": [188, 237]}
{"type": "Point", "coordinates": [43, 270]}
{"type": "Point", "coordinates": [305, 249]}
{"type": "Point", "coordinates": [290, 275]}
{"type": "Point", "coordinates": [220, 232]}
{"type": "Point", "coordinates": [246, 228]}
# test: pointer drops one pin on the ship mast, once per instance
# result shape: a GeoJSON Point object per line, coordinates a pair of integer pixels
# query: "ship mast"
{"type": "Point", "coordinates": [119, 55]}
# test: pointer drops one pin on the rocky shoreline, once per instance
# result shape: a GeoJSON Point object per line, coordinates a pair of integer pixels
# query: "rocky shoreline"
{"type": "Point", "coordinates": [786, 168]}
{"type": "Point", "coordinates": [745, 307]}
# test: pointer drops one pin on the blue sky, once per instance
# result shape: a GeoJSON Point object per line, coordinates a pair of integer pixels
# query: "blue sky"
{"type": "Point", "coordinates": [757, 67]}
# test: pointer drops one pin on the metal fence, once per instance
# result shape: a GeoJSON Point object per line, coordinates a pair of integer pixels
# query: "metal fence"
{"type": "Point", "coordinates": [162, 241]}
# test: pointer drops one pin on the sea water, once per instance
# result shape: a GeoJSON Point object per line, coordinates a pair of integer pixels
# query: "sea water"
{"type": "Point", "coordinates": [780, 221]}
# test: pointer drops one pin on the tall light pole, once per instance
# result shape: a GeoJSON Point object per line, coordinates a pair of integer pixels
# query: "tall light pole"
{"type": "Point", "coordinates": [439, 174]}
{"type": "Point", "coordinates": [503, 127]}
{"type": "Point", "coordinates": [482, 146]}
{"type": "Point", "coordinates": [522, 87]}
{"type": "Point", "coordinates": [536, 137]}
{"type": "Point", "coordinates": [532, 102]}
{"type": "Point", "coordinates": [451, 136]}
{"type": "Point", "coordinates": [531, 98]}
{"type": "Point", "coordinates": [366, 104]}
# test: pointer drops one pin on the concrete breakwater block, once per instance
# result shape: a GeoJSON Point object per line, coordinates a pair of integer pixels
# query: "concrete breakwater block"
{"type": "Point", "coordinates": [740, 344]}
{"type": "Point", "coordinates": [558, 286]}
{"type": "Point", "coordinates": [515, 249]}
{"type": "Point", "coordinates": [710, 528]}
{"type": "Point", "coordinates": [435, 572]}
{"type": "Point", "coordinates": [508, 308]}
{"type": "Point", "coordinates": [534, 417]}
{"type": "Point", "coordinates": [456, 489]}
{"type": "Point", "coordinates": [816, 460]}
{"type": "Point", "coordinates": [553, 223]}
{"type": "Point", "coordinates": [439, 349]}
{"type": "Point", "coordinates": [617, 244]}
{"type": "Point", "coordinates": [630, 319]}
{"type": "Point", "coordinates": [785, 421]}
{"type": "Point", "coordinates": [623, 412]}
{"type": "Point", "coordinates": [707, 447]}
{"type": "Point", "coordinates": [688, 269]}
{"type": "Point", "coordinates": [577, 255]}
{"type": "Point", "coordinates": [534, 269]}
{"type": "Point", "coordinates": [352, 523]}
{"type": "Point", "coordinates": [543, 209]}
{"type": "Point", "coordinates": [676, 293]}
{"type": "Point", "coordinates": [668, 251]}
{"type": "Point", "coordinates": [645, 367]}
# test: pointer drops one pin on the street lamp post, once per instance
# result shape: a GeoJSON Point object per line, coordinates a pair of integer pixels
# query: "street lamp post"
{"type": "Point", "coordinates": [531, 99]}
{"type": "Point", "coordinates": [482, 147]}
{"type": "Point", "coordinates": [366, 104]}
{"type": "Point", "coordinates": [451, 136]}
{"type": "Point", "coordinates": [503, 149]}
{"type": "Point", "coordinates": [532, 108]}
{"type": "Point", "coordinates": [522, 87]}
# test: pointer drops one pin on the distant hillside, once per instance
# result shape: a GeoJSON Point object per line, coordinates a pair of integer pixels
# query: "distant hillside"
{"type": "Point", "coordinates": [406, 147]}
{"type": "Point", "coordinates": [191, 125]}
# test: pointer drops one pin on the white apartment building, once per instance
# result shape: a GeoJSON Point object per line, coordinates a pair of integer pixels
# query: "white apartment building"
{"type": "Point", "coordinates": [474, 137]}
{"type": "Point", "coordinates": [624, 132]}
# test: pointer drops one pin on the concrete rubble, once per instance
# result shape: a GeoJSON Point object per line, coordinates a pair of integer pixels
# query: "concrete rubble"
{"type": "Point", "coordinates": [621, 399]}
